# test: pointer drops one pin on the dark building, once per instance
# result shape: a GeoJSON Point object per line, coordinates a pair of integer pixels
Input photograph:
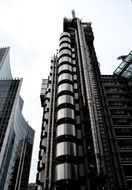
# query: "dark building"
{"type": "Point", "coordinates": [86, 136]}
{"type": "Point", "coordinates": [31, 186]}
{"type": "Point", "coordinates": [16, 136]}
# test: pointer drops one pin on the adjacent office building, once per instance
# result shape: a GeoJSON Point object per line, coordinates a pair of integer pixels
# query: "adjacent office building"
{"type": "Point", "coordinates": [86, 136]}
{"type": "Point", "coordinates": [16, 136]}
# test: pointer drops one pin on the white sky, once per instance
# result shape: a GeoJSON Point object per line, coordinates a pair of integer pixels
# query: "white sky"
{"type": "Point", "coordinates": [32, 27]}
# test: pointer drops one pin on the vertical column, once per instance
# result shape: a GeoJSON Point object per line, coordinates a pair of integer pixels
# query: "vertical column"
{"type": "Point", "coordinates": [66, 141]}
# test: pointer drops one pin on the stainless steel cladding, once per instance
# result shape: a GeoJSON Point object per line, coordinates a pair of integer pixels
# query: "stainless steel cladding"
{"type": "Point", "coordinates": [65, 113]}
{"type": "Point", "coordinates": [65, 45]}
{"type": "Point", "coordinates": [66, 148]}
{"type": "Point", "coordinates": [65, 59]}
{"type": "Point", "coordinates": [63, 34]}
{"type": "Point", "coordinates": [65, 76]}
{"type": "Point", "coordinates": [65, 39]}
{"type": "Point", "coordinates": [65, 99]}
{"type": "Point", "coordinates": [65, 87]}
{"type": "Point", "coordinates": [66, 171]}
{"type": "Point", "coordinates": [65, 67]}
{"type": "Point", "coordinates": [65, 129]}
{"type": "Point", "coordinates": [65, 52]}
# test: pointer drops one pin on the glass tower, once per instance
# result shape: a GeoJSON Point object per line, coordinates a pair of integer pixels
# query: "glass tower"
{"type": "Point", "coordinates": [16, 136]}
{"type": "Point", "coordinates": [85, 142]}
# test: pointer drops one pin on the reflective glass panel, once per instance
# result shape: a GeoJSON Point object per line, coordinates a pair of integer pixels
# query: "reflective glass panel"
{"type": "Point", "coordinates": [126, 74]}
{"type": "Point", "coordinates": [128, 58]}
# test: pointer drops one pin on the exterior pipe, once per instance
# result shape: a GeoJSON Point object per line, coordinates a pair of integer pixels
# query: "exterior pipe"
{"type": "Point", "coordinates": [52, 126]}
{"type": "Point", "coordinates": [48, 138]}
{"type": "Point", "coordinates": [67, 141]}
{"type": "Point", "coordinates": [90, 97]}
{"type": "Point", "coordinates": [94, 102]}
{"type": "Point", "coordinates": [80, 68]}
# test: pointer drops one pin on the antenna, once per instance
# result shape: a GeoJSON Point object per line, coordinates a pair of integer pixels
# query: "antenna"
{"type": "Point", "coordinates": [73, 14]}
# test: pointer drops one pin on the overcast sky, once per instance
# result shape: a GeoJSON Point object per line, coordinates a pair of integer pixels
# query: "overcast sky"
{"type": "Point", "coordinates": [32, 27]}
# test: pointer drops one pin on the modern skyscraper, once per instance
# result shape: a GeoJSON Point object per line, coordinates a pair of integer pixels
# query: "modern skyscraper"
{"type": "Point", "coordinates": [86, 137]}
{"type": "Point", "coordinates": [16, 136]}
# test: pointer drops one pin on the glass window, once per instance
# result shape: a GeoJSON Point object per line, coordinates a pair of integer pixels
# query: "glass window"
{"type": "Point", "coordinates": [73, 49]}
{"type": "Point", "coordinates": [76, 95]}
{"type": "Point", "coordinates": [75, 77]}
{"type": "Point", "coordinates": [77, 107]}
{"type": "Point", "coordinates": [80, 150]}
{"type": "Point", "coordinates": [126, 74]}
{"type": "Point", "coordinates": [74, 62]}
{"type": "Point", "coordinates": [122, 65]}
{"type": "Point", "coordinates": [123, 131]}
{"type": "Point", "coordinates": [79, 135]}
{"type": "Point", "coordinates": [73, 55]}
{"type": "Point", "coordinates": [128, 170]}
{"type": "Point", "coordinates": [77, 119]}
{"type": "Point", "coordinates": [128, 58]}
{"type": "Point", "coordinates": [81, 169]}
{"type": "Point", "coordinates": [75, 85]}
{"type": "Point", "coordinates": [129, 68]}
{"type": "Point", "coordinates": [125, 143]}
{"type": "Point", "coordinates": [126, 156]}
{"type": "Point", "coordinates": [74, 69]}
{"type": "Point", "coordinates": [117, 71]}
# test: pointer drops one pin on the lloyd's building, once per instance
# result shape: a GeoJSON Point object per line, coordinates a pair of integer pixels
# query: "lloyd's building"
{"type": "Point", "coordinates": [86, 136]}
{"type": "Point", "coordinates": [16, 136]}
